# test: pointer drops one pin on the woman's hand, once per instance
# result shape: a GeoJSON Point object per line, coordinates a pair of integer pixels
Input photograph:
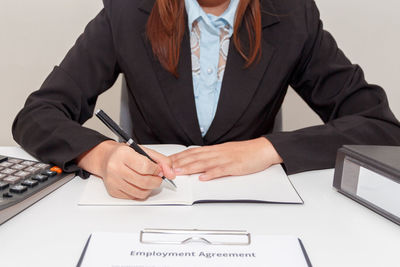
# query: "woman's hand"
{"type": "Point", "coordinates": [126, 173]}
{"type": "Point", "coordinates": [232, 158]}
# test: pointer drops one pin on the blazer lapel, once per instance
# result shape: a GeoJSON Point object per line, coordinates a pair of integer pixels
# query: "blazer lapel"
{"type": "Point", "coordinates": [178, 92]}
{"type": "Point", "coordinates": [239, 84]}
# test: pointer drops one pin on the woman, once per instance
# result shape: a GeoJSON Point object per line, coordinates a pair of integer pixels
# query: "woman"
{"type": "Point", "coordinates": [211, 73]}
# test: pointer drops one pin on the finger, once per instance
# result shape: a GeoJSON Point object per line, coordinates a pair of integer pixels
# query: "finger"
{"type": "Point", "coordinates": [193, 158]}
{"type": "Point", "coordinates": [214, 173]}
{"type": "Point", "coordinates": [141, 164]}
{"type": "Point", "coordinates": [133, 191]}
{"type": "Point", "coordinates": [168, 172]}
{"type": "Point", "coordinates": [113, 188]}
{"type": "Point", "coordinates": [164, 162]}
{"type": "Point", "coordinates": [120, 194]}
{"type": "Point", "coordinates": [116, 186]}
{"type": "Point", "coordinates": [188, 152]}
{"type": "Point", "coordinates": [198, 166]}
{"type": "Point", "coordinates": [157, 157]}
{"type": "Point", "coordinates": [141, 181]}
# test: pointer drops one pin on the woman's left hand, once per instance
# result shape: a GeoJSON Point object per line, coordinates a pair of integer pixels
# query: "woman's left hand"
{"type": "Point", "coordinates": [232, 158]}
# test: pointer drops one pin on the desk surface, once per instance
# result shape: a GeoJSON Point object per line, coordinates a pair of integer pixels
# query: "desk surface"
{"type": "Point", "coordinates": [335, 230]}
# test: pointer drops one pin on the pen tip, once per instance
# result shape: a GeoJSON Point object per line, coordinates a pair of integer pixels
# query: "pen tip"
{"type": "Point", "coordinates": [171, 182]}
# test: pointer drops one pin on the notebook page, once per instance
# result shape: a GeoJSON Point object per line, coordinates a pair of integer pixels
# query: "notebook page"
{"type": "Point", "coordinates": [270, 185]}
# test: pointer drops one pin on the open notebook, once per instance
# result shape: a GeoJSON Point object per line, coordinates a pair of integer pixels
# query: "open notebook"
{"type": "Point", "coordinates": [269, 186]}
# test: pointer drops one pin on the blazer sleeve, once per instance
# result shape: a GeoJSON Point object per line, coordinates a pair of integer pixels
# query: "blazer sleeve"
{"type": "Point", "coordinates": [353, 111]}
{"type": "Point", "coordinates": [49, 125]}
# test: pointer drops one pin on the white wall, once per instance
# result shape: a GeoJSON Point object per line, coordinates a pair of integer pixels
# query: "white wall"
{"type": "Point", "coordinates": [35, 36]}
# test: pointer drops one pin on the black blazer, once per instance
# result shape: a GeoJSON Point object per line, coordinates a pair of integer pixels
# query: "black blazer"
{"type": "Point", "coordinates": [296, 51]}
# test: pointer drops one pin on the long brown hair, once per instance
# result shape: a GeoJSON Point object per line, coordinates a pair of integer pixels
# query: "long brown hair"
{"type": "Point", "coordinates": [166, 27]}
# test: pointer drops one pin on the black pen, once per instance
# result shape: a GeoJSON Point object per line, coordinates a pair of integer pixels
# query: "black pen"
{"type": "Point", "coordinates": [124, 136]}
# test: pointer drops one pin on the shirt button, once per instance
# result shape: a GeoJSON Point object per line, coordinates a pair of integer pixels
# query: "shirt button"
{"type": "Point", "coordinates": [209, 71]}
{"type": "Point", "coordinates": [202, 129]}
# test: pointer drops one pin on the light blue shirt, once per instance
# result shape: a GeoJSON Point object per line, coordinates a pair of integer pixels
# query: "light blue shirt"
{"type": "Point", "coordinates": [206, 84]}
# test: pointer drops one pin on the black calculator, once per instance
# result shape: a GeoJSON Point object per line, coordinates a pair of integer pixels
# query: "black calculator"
{"type": "Point", "coordinates": [24, 182]}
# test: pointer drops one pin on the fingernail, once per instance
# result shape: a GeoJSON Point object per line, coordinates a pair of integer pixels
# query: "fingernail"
{"type": "Point", "coordinates": [161, 174]}
{"type": "Point", "coordinates": [178, 170]}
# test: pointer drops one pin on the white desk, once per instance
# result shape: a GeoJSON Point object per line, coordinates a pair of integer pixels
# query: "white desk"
{"type": "Point", "coordinates": [335, 230]}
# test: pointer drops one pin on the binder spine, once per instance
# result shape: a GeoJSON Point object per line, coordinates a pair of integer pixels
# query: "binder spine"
{"type": "Point", "coordinates": [337, 178]}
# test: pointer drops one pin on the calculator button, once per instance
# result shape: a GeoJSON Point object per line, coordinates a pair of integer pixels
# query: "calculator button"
{"type": "Point", "coordinates": [16, 161]}
{"type": "Point", "coordinates": [40, 178]}
{"type": "Point", "coordinates": [32, 169]}
{"type": "Point", "coordinates": [28, 163]}
{"type": "Point", "coordinates": [8, 171]}
{"type": "Point", "coordinates": [18, 167]}
{"type": "Point", "coordinates": [2, 175]}
{"type": "Point", "coordinates": [42, 165]}
{"type": "Point", "coordinates": [3, 185]}
{"type": "Point", "coordinates": [12, 179]}
{"type": "Point", "coordinates": [6, 164]}
{"type": "Point", "coordinates": [18, 189]}
{"type": "Point", "coordinates": [3, 158]}
{"type": "Point", "coordinates": [22, 174]}
{"type": "Point", "coordinates": [49, 173]}
{"type": "Point", "coordinates": [30, 183]}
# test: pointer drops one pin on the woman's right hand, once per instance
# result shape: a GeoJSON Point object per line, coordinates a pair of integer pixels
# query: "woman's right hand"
{"type": "Point", "coordinates": [126, 173]}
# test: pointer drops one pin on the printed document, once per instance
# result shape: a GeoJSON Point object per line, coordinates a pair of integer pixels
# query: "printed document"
{"type": "Point", "coordinates": [124, 249]}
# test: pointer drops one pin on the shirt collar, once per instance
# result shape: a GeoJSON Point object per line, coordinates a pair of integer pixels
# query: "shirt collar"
{"type": "Point", "coordinates": [194, 11]}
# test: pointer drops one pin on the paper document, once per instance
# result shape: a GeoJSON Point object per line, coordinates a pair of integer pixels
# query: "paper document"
{"type": "Point", "coordinates": [124, 249]}
{"type": "Point", "coordinates": [270, 186]}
